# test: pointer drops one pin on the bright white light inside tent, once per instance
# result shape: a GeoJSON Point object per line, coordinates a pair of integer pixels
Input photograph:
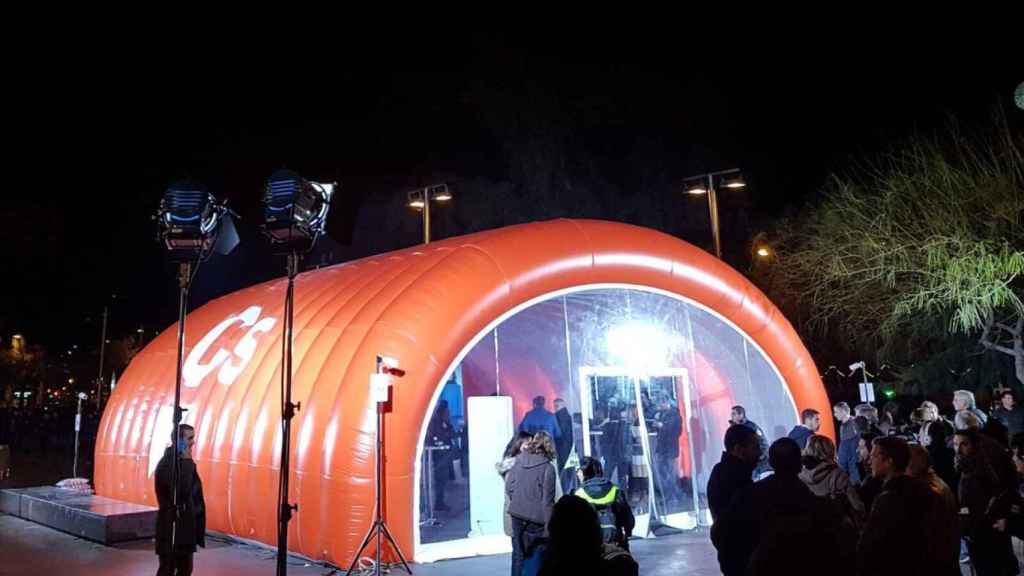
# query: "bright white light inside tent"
{"type": "Point", "coordinates": [641, 346]}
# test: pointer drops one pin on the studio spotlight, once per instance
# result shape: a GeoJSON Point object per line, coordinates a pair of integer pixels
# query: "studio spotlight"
{"type": "Point", "coordinates": [295, 210]}
{"type": "Point", "coordinates": [189, 220]}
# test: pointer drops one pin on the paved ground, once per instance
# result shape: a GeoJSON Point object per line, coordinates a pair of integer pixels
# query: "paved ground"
{"type": "Point", "coordinates": [30, 549]}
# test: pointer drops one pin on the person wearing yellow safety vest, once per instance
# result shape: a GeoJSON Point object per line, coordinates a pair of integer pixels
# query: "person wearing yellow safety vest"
{"type": "Point", "coordinates": [608, 500]}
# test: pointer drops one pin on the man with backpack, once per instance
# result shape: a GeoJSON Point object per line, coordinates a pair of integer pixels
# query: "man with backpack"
{"type": "Point", "coordinates": [609, 501]}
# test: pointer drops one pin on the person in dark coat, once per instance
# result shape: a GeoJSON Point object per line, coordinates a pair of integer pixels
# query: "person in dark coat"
{"type": "Point", "coordinates": [1010, 414]}
{"type": "Point", "coordinates": [441, 434]}
{"type": "Point", "coordinates": [810, 422]}
{"type": "Point", "coordinates": [848, 455]}
{"type": "Point", "coordinates": [616, 445]}
{"type": "Point", "coordinates": [870, 486]}
{"type": "Point", "coordinates": [990, 549]}
{"type": "Point", "coordinates": [563, 444]}
{"type": "Point", "coordinates": [669, 426]}
{"type": "Point", "coordinates": [733, 472]}
{"type": "Point", "coordinates": [190, 527]}
{"type": "Point", "coordinates": [576, 547]}
{"type": "Point", "coordinates": [934, 437]}
{"type": "Point", "coordinates": [777, 520]}
{"type": "Point", "coordinates": [910, 529]}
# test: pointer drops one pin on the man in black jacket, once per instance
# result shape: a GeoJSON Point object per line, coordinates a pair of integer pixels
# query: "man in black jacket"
{"type": "Point", "coordinates": [666, 451]}
{"type": "Point", "coordinates": [910, 529]}
{"type": "Point", "coordinates": [733, 473]}
{"type": "Point", "coordinates": [810, 422]}
{"type": "Point", "coordinates": [1010, 414]}
{"type": "Point", "coordinates": [190, 527]}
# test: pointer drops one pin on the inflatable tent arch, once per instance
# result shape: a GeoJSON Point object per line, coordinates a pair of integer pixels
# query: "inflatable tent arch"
{"type": "Point", "coordinates": [449, 311]}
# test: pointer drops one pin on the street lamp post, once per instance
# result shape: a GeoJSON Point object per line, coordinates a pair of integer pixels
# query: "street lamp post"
{"type": "Point", "coordinates": [421, 199]}
{"type": "Point", "coordinates": [705, 184]}
{"type": "Point", "coordinates": [103, 349]}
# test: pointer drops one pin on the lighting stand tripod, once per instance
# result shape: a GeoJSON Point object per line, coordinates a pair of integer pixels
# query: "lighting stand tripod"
{"type": "Point", "coordinates": [379, 529]}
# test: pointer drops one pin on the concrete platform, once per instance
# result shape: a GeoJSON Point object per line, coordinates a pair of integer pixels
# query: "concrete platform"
{"type": "Point", "coordinates": [95, 518]}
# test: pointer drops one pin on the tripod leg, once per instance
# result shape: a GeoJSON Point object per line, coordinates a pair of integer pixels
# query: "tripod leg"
{"type": "Point", "coordinates": [394, 545]}
{"type": "Point", "coordinates": [362, 547]}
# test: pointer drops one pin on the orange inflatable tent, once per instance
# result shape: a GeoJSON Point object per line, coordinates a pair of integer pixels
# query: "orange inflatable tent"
{"type": "Point", "coordinates": [625, 324]}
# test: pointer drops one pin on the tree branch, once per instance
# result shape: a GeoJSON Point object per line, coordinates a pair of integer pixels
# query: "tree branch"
{"type": "Point", "coordinates": [998, 348]}
{"type": "Point", "coordinates": [1015, 331]}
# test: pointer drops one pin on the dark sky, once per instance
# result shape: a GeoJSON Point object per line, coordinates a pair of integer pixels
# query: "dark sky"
{"type": "Point", "coordinates": [97, 139]}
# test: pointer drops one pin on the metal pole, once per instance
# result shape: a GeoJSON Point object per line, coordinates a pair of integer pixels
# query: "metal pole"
{"type": "Point", "coordinates": [378, 476]}
{"type": "Point", "coordinates": [713, 209]}
{"type": "Point", "coordinates": [426, 215]}
{"type": "Point", "coordinates": [103, 346]}
{"type": "Point", "coordinates": [285, 509]}
{"type": "Point", "coordinates": [864, 372]}
{"type": "Point", "coordinates": [78, 426]}
{"type": "Point", "coordinates": [184, 281]}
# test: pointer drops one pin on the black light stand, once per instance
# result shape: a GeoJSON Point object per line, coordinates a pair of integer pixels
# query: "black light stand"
{"type": "Point", "coordinates": [379, 529]}
{"type": "Point", "coordinates": [184, 283]}
{"type": "Point", "coordinates": [288, 409]}
{"type": "Point", "coordinates": [295, 215]}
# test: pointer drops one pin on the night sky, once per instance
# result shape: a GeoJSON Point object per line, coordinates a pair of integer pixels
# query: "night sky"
{"type": "Point", "coordinates": [98, 140]}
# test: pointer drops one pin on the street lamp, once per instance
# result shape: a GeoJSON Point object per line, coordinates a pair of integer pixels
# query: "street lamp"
{"type": "Point", "coordinates": [421, 199]}
{"type": "Point", "coordinates": [705, 184]}
{"type": "Point", "coordinates": [764, 252]}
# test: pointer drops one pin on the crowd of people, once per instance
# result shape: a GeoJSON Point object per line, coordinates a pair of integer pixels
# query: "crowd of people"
{"type": "Point", "coordinates": [925, 494]}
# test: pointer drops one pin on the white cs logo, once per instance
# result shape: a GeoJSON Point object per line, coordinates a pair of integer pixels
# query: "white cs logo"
{"type": "Point", "coordinates": [231, 363]}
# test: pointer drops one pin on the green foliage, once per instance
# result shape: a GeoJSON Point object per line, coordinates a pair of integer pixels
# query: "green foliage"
{"type": "Point", "coordinates": [924, 241]}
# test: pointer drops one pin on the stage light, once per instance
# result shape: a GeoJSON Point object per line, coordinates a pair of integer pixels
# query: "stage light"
{"type": "Point", "coordinates": [295, 210]}
{"type": "Point", "coordinates": [640, 346]}
{"type": "Point", "coordinates": [189, 220]}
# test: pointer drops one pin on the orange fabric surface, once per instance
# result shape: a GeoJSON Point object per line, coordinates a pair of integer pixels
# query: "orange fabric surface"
{"type": "Point", "coordinates": [420, 305]}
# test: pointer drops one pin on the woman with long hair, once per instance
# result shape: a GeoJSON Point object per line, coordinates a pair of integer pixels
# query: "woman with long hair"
{"type": "Point", "coordinates": [822, 474]}
{"type": "Point", "coordinates": [508, 460]}
{"type": "Point", "coordinates": [544, 445]}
